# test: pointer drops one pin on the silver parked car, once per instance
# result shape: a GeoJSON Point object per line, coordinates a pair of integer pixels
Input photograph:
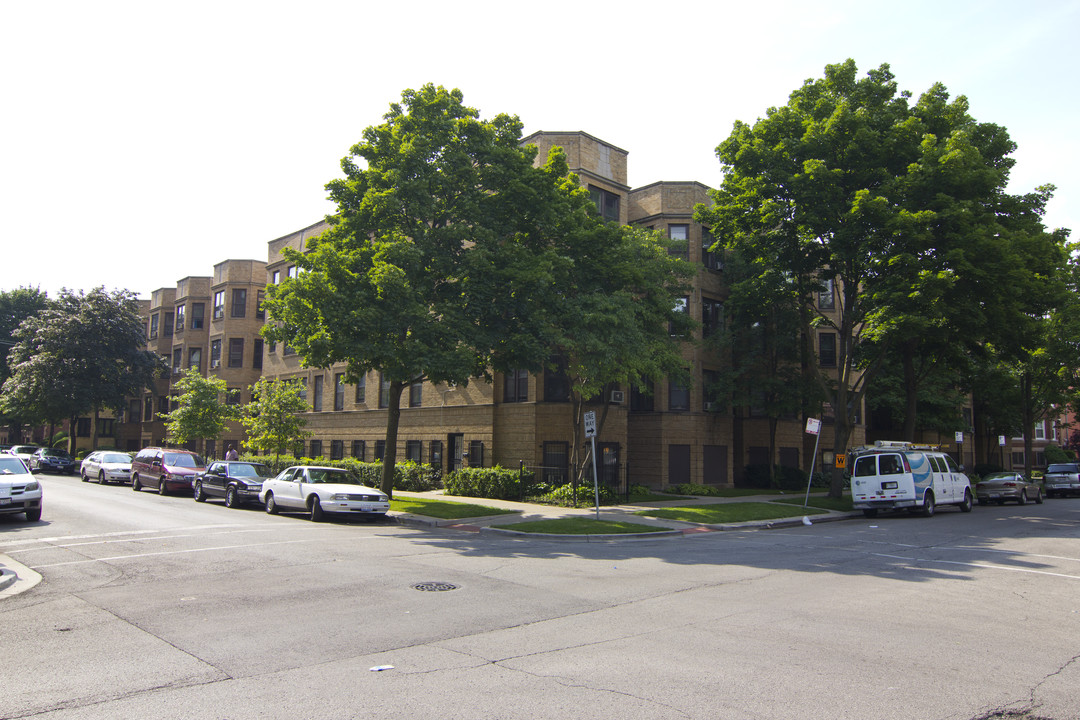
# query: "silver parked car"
{"type": "Point", "coordinates": [106, 466]}
{"type": "Point", "coordinates": [20, 492]}
{"type": "Point", "coordinates": [1062, 479]}
{"type": "Point", "coordinates": [1001, 486]}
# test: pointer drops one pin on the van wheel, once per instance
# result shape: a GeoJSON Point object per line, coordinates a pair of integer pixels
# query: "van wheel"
{"type": "Point", "coordinates": [966, 505]}
{"type": "Point", "coordinates": [928, 505]}
{"type": "Point", "coordinates": [162, 488]}
{"type": "Point", "coordinates": [135, 484]}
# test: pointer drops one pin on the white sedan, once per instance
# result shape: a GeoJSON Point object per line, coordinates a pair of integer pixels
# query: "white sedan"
{"type": "Point", "coordinates": [106, 466]}
{"type": "Point", "coordinates": [322, 490]}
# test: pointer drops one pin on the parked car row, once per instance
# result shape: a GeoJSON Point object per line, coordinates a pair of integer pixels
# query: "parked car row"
{"type": "Point", "coordinates": [317, 491]}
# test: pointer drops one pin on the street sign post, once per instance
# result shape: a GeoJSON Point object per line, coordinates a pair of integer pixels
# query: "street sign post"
{"type": "Point", "coordinates": [813, 427]}
{"type": "Point", "coordinates": [590, 432]}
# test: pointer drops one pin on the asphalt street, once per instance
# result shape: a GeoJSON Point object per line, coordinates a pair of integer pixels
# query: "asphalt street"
{"type": "Point", "coordinates": [153, 607]}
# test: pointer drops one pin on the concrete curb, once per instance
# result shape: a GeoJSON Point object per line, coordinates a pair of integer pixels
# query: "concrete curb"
{"type": "Point", "coordinates": [15, 577]}
{"type": "Point", "coordinates": [7, 578]}
{"type": "Point", "coordinates": [548, 537]}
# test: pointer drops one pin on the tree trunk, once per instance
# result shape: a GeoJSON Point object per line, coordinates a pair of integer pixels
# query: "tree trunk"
{"type": "Point", "coordinates": [390, 451]}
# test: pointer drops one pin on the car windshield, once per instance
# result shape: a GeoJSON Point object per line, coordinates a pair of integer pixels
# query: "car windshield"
{"type": "Point", "coordinates": [55, 453]}
{"type": "Point", "coordinates": [24, 449]}
{"type": "Point", "coordinates": [248, 470]}
{"type": "Point", "coordinates": [1062, 468]}
{"type": "Point", "coordinates": [11, 466]}
{"type": "Point", "coordinates": [116, 458]}
{"type": "Point", "coordinates": [320, 475]}
{"type": "Point", "coordinates": [182, 460]}
{"type": "Point", "coordinates": [1000, 476]}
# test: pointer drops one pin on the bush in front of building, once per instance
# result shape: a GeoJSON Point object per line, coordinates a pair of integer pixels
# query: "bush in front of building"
{"type": "Point", "coordinates": [581, 496]}
{"type": "Point", "coordinates": [497, 483]}
{"type": "Point", "coordinates": [408, 476]}
{"type": "Point", "coordinates": [779, 477]}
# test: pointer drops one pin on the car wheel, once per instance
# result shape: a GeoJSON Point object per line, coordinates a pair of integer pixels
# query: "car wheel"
{"type": "Point", "coordinates": [870, 512]}
{"type": "Point", "coordinates": [966, 505]}
{"type": "Point", "coordinates": [198, 493]}
{"type": "Point", "coordinates": [1022, 500]}
{"type": "Point", "coordinates": [1038, 497]}
{"type": "Point", "coordinates": [271, 506]}
{"type": "Point", "coordinates": [34, 514]}
{"type": "Point", "coordinates": [317, 513]}
{"type": "Point", "coordinates": [101, 478]}
{"type": "Point", "coordinates": [928, 505]}
{"type": "Point", "coordinates": [163, 487]}
{"type": "Point", "coordinates": [135, 484]}
{"type": "Point", "coordinates": [230, 497]}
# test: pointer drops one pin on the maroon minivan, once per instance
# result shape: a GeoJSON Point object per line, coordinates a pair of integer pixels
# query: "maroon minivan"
{"type": "Point", "coordinates": [166, 469]}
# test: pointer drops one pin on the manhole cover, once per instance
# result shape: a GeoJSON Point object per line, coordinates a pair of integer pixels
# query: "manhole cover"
{"type": "Point", "coordinates": [435, 586]}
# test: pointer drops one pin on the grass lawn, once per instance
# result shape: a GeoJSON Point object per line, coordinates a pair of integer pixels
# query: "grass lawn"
{"type": "Point", "coordinates": [820, 501]}
{"type": "Point", "coordinates": [729, 512]}
{"type": "Point", "coordinates": [729, 493]}
{"type": "Point", "coordinates": [443, 509]}
{"type": "Point", "coordinates": [580, 526]}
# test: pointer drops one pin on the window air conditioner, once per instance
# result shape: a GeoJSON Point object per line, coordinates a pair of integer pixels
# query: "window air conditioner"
{"type": "Point", "coordinates": [712, 406]}
{"type": "Point", "coordinates": [617, 397]}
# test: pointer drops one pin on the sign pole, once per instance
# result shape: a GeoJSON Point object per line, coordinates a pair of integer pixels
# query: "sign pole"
{"type": "Point", "coordinates": [590, 432]}
{"type": "Point", "coordinates": [813, 426]}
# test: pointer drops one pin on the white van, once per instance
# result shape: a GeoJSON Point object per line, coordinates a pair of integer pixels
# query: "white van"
{"type": "Point", "coordinates": [901, 475]}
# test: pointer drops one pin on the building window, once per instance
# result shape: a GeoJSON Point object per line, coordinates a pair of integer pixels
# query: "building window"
{"type": "Point", "coordinates": [154, 326]}
{"type": "Point", "coordinates": [361, 390]}
{"type": "Point", "coordinates": [476, 453]}
{"type": "Point", "coordinates": [236, 352]}
{"type": "Point", "coordinates": [239, 303]}
{"type": "Point", "coordinates": [219, 304]}
{"type": "Point", "coordinates": [414, 451]}
{"type": "Point", "coordinates": [257, 354]}
{"type": "Point", "coordinates": [106, 427]}
{"type": "Point", "coordinates": [232, 396]}
{"type": "Point", "coordinates": [167, 328]}
{"type": "Point", "coordinates": [359, 448]}
{"type": "Point", "coordinates": [316, 394]}
{"type": "Point", "coordinates": [678, 397]}
{"type": "Point", "coordinates": [276, 277]}
{"type": "Point", "coordinates": [180, 318]}
{"type": "Point", "coordinates": [380, 449]}
{"type": "Point", "coordinates": [198, 310]}
{"type": "Point", "coordinates": [607, 203]}
{"type": "Point", "coordinates": [712, 316]}
{"type": "Point", "coordinates": [641, 397]}
{"type": "Point", "coordinates": [682, 305]}
{"type": "Point", "coordinates": [303, 388]}
{"type": "Point", "coordinates": [827, 295]}
{"type": "Point", "coordinates": [215, 354]}
{"type": "Point", "coordinates": [288, 350]}
{"type": "Point", "coordinates": [339, 391]}
{"type": "Point", "coordinates": [148, 408]}
{"type": "Point", "coordinates": [260, 311]}
{"type": "Point", "coordinates": [82, 428]}
{"type": "Point", "coordinates": [163, 404]}
{"type": "Point", "coordinates": [435, 453]}
{"type": "Point", "coordinates": [291, 271]}
{"type": "Point", "coordinates": [827, 349]}
{"type": "Point", "coordinates": [316, 448]}
{"type": "Point", "coordinates": [556, 463]}
{"type": "Point", "coordinates": [416, 394]}
{"type": "Point", "coordinates": [711, 391]}
{"type": "Point", "coordinates": [712, 259]}
{"type": "Point", "coordinates": [384, 392]}
{"type": "Point", "coordinates": [556, 381]}
{"type": "Point", "coordinates": [195, 360]}
{"type": "Point", "coordinates": [680, 241]}
{"type": "Point", "coordinates": [516, 386]}
{"type": "Point", "coordinates": [177, 360]}
{"type": "Point", "coordinates": [337, 449]}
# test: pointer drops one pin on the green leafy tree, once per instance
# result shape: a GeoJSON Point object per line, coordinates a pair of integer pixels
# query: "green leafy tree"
{"type": "Point", "coordinates": [845, 184]}
{"type": "Point", "coordinates": [615, 319]}
{"type": "Point", "coordinates": [437, 264]}
{"type": "Point", "coordinates": [201, 409]}
{"type": "Point", "coordinates": [15, 307]}
{"type": "Point", "coordinates": [274, 418]}
{"type": "Point", "coordinates": [81, 354]}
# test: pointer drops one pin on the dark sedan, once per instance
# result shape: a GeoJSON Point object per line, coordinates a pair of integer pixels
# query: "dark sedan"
{"type": "Point", "coordinates": [52, 460]}
{"type": "Point", "coordinates": [238, 482]}
{"type": "Point", "coordinates": [1002, 486]}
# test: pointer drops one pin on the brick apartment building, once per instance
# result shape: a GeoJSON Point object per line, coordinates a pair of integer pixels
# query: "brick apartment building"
{"type": "Point", "coordinates": [670, 435]}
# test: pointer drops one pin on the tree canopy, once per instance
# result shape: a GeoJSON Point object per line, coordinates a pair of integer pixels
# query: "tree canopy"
{"type": "Point", "coordinates": [201, 411]}
{"type": "Point", "coordinates": [902, 208]}
{"type": "Point", "coordinates": [274, 418]}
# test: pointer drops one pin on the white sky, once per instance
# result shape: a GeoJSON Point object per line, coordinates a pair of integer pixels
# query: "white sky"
{"type": "Point", "coordinates": [142, 142]}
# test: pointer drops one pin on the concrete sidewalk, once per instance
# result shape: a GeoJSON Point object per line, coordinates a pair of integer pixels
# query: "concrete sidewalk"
{"type": "Point", "coordinates": [526, 512]}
